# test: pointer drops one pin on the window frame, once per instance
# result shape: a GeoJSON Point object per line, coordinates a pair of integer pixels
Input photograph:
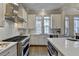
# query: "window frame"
{"type": "Point", "coordinates": [42, 23]}
{"type": "Point", "coordinates": [35, 24]}
{"type": "Point", "coordinates": [66, 34]}
{"type": "Point", "coordinates": [49, 23]}
{"type": "Point", "coordinates": [74, 24]}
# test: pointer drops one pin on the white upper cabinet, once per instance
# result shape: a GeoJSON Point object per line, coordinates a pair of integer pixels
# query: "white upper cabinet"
{"type": "Point", "coordinates": [22, 13]}
{"type": "Point", "coordinates": [2, 14]}
{"type": "Point", "coordinates": [31, 21]}
{"type": "Point", "coordinates": [56, 20]}
{"type": "Point", "coordinates": [11, 9]}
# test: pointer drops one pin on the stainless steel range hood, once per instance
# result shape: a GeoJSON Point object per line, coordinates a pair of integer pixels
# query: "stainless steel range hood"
{"type": "Point", "coordinates": [15, 18]}
{"type": "Point", "coordinates": [11, 18]}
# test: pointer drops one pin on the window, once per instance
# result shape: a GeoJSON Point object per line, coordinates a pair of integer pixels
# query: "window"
{"type": "Point", "coordinates": [42, 24]}
{"type": "Point", "coordinates": [46, 25]}
{"type": "Point", "coordinates": [76, 24]}
{"type": "Point", "coordinates": [66, 26]}
{"type": "Point", "coordinates": [38, 24]}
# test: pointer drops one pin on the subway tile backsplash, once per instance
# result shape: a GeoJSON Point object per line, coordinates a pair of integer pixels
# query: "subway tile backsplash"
{"type": "Point", "coordinates": [9, 30]}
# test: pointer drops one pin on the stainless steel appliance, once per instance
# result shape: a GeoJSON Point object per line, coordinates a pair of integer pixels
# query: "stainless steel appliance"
{"type": "Point", "coordinates": [51, 50]}
{"type": "Point", "coordinates": [22, 45]}
{"type": "Point", "coordinates": [77, 36]}
{"type": "Point", "coordinates": [53, 36]}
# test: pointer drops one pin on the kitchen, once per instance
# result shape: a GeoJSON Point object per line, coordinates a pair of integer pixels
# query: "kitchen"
{"type": "Point", "coordinates": [39, 29]}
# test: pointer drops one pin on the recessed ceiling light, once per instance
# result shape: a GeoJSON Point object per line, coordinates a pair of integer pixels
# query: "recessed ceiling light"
{"type": "Point", "coordinates": [43, 9]}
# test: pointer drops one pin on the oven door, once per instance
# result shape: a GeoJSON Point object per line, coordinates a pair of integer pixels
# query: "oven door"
{"type": "Point", "coordinates": [25, 50]}
{"type": "Point", "coordinates": [51, 49]}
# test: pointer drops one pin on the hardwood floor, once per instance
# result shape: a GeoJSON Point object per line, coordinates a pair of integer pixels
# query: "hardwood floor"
{"type": "Point", "coordinates": [38, 51]}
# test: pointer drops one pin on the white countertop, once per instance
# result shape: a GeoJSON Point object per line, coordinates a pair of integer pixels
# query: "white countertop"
{"type": "Point", "coordinates": [66, 47]}
{"type": "Point", "coordinates": [10, 44]}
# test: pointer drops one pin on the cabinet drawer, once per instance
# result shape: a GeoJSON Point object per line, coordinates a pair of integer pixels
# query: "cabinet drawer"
{"type": "Point", "coordinates": [10, 51]}
{"type": "Point", "coordinates": [52, 49]}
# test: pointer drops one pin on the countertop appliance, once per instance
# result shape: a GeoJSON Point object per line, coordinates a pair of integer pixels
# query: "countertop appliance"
{"type": "Point", "coordinates": [72, 38]}
{"type": "Point", "coordinates": [53, 36]}
{"type": "Point", "coordinates": [22, 44]}
{"type": "Point", "coordinates": [77, 36]}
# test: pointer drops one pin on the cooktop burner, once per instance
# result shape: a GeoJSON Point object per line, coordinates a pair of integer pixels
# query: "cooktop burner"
{"type": "Point", "coordinates": [16, 39]}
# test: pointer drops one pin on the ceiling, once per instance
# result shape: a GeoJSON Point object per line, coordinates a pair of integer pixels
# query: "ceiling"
{"type": "Point", "coordinates": [36, 7]}
{"type": "Point", "coordinates": [39, 6]}
{"type": "Point", "coordinates": [50, 8]}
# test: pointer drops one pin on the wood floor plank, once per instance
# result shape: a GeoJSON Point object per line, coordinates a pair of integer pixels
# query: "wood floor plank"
{"type": "Point", "coordinates": [38, 51]}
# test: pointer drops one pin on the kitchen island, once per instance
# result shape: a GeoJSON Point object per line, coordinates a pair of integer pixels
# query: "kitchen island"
{"type": "Point", "coordinates": [63, 47]}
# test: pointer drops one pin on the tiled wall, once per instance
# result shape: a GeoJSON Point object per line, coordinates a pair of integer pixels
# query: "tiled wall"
{"type": "Point", "coordinates": [9, 30]}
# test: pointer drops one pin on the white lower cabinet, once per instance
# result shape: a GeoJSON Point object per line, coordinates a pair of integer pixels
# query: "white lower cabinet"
{"type": "Point", "coordinates": [60, 54]}
{"type": "Point", "coordinates": [53, 51]}
{"type": "Point", "coordinates": [12, 51]}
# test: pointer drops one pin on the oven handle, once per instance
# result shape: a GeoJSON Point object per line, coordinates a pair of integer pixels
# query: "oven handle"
{"type": "Point", "coordinates": [25, 39]}
{"type": "Point", "coordinates": [25, 45]}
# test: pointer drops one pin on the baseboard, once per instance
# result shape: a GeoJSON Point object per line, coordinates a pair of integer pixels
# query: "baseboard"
{"type": "Point", "coordinates": [38, 45]}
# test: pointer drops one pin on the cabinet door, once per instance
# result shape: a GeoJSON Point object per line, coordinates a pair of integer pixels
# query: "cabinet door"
{"type": "Point", "coordinates": [56, 20]}
{"type": "Point", "coordinates": [12, 51]}
{"type": "Point", "coordinates": [11, 9]}
{"type": "Point", "coordinates": [31, 21]}
{"type": "Point", "coordinates": [2, 14]}
{"type": "Point", "coordinates": [22, 13]}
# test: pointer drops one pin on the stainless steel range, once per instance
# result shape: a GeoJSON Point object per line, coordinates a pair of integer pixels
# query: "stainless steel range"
{"type": "Point", "coordinates": [22, 45]}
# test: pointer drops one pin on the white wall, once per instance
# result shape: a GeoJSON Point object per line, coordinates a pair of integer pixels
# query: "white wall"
{"type": "Point", "coordinates": [31, 21]}
{"type": "Point", "coordinates": [71, 26]}
{"type": "Point", "coordinates": [9, 30]}
{"type": "Point", "coordinates": [62, 23]}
